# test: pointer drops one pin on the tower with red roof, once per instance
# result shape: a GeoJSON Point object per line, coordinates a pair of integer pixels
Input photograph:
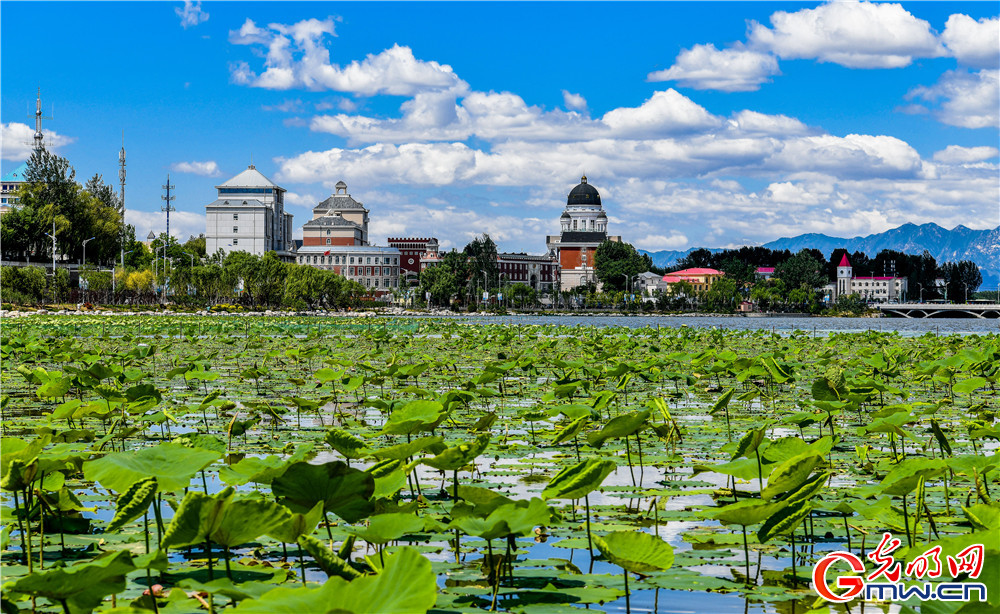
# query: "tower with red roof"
{"type": "Point", "coordinates": [845, 272]}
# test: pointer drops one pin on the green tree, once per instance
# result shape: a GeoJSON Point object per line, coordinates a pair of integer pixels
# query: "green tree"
{"type": "Point", "coordinates": [617, 263]}
{"type": "Point", "coordinates": [699, 258]}
{"type": "Point", "coordinates": [722, 297]}
{"type": "Point", "coordinates": [196, 245]}
{"type": "Point", "coordinates": [52, 199]}
{"type": "Point", "coordinates": [482, 255]}
{"type": "Point", "coordinates": [962, 279]}
{"type": "Point", "coordinates": [802, 268]}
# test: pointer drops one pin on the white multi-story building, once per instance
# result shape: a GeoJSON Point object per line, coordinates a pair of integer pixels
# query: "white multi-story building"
{"type": "Point", "coordinates": [376, 268]}
{"type": "Point", "coordinates": [249, 216]}
{"type": "Point", "coordinates": [871, 289]}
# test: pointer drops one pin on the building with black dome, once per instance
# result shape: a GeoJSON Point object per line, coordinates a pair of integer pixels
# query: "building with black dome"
{"type": "Point", "coordinates": [583, 226]}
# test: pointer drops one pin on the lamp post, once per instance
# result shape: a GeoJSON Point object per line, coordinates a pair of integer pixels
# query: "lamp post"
{"type": "Point", "coordinates": [921, 292]}
{"type": "Point", "coordinates": [85, 241]}
{"type": "Point", "coordinates": [966, 293]}
{"type": "Point", "coordinates": [53, 237]}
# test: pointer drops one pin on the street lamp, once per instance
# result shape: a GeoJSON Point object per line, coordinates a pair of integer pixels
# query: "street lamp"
{"type": "Point", "coordinates": [85, 241]}
{"type": "Point", "coordinates": [921, 292]}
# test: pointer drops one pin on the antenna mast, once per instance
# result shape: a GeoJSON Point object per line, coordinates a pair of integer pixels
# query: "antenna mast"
{"type": "Point", "coordinates": [37, 145]}
{"type": "Point", "coordinates": [167, 207]}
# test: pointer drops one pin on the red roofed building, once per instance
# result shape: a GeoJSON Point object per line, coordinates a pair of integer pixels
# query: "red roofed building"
{"type": "Point", "coordinates": [701, 278]}
{"type": "Point", "coordinates": [872, 289]}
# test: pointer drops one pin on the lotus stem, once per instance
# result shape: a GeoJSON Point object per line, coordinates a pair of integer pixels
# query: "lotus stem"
{"type": "Point", "coordinates": [628, 605]}
{"type": "Point", "coordinates": [590, 545]}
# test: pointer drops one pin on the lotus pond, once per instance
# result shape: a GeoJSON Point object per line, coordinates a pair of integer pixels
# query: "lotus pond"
{"type": "Point", "coordinates": [189, 464]}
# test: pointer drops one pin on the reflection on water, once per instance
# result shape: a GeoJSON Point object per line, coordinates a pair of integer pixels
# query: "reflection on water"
{"type": "Point", "coordinates": [821, 326]}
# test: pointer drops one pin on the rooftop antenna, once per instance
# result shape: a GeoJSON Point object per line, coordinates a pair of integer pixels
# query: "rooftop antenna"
{"type": "Point", "coordinates": [121, 195]}
{"type": "Point", "coordinates": [251, 160]}
{"type": "Point", "coordinates": [37, 144]}
{"type": "Point", "coordinates": [167, 207]}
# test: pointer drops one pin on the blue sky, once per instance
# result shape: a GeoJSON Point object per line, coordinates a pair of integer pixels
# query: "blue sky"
{"type": "Point", "coordinates": [702, 124]}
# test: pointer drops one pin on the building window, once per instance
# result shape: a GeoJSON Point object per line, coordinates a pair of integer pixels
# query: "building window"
{"type": "Point", "coordinates": [236, 216]}
{"type": "Point", "coordinates": [574, 224]}
{"type": "Point", "coordinates": [328, 241]}
{"type": "Point", "coordinates": [352, 260]}
{"type": "Point", "coordinates": [236, 229]}
{"type": "Point", "coordinates": [236, 241]}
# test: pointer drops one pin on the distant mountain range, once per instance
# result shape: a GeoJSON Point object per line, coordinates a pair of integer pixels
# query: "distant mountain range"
{"type": "Point", "coordinates": [959, 243]}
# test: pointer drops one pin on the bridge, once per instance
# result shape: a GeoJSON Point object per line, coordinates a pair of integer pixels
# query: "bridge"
{"type": "Point", "coordinates": [940, 310]}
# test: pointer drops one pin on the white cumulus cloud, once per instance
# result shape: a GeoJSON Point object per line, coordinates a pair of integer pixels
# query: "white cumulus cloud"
{"type": "Point", "coordinates": [16, 140]}
{"type": "Point", "coordinates": [191, 14]}
{"type": "Point", "coordinates": [208, 168]}
{"type": "Point", "coordinates": [297, 57]}
{"type": "Point", "coordinates": [736, 69]}
{"type": "Point", "coordinates": [973, 43]}
{"type": "Point", "coordinates": [852, 34]}
{"type": "Point", "coordinates": [961, 98]}
{"type": "Point", "coordinates": [956, 154]}
{"type": "Point", "coordinates": [183, 224]}
{"type": "Point", "coordinates": [574, 102]}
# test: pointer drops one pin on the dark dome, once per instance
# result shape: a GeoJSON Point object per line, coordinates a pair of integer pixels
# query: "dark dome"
{"type": "Point", "coordinates": [584, 194]}
{"type": "Point", "coordinates": [564, 215]}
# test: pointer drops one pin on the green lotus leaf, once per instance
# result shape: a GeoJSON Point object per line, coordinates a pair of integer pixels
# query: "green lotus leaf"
{"type": "Point", "coordinates": [749, 443]}
{"type": "Point", "coordinates": [415, 416]}
{"type": "Point", "coordinates": [983, 517]}
{"type": "Point", "coordinates": [406, 585]}
{"type": "Point", "coordinates": [297, 525]}
{"type": "Point", "coordinates": [635, 551]}
{"type": "Point", "coordinates": [905, 476]}
{"type": "Point", "coordinates": [571, 430]}
{"type": "Point", "coordinates": [345, 491]}
{"type": "Point", "coordinates": [620, 426]}
{"type": "Point", "coordinates": [966, 386]}
{"type": "Point", "coordinates": [385, 528]}
{"type": "Point", "coordinates": [790, 474]}
{"type": "Point", "coordinates": [746, 512]}
{"type": "Point", "coordinates": [132, 503]}
{"type": "Point", "coordinates": [722, 402]}
{"type": "Point", "coordinates": [784, 520]}
{"type": "Point", "coordinates": [195, 519]}
{"type": "Point", "coordinates": [406, 450]}
{"type": "Point", "coordinates": [577, 480]}
{"type": "Point", "coordinates": [456, 457]}
{"type": "Point", "coordinates": [172, 464]}
{"type": "Point", "coordinates": [246, 519]}
{"type": "Point", "coordinates": [345, 443]}
{"type": "Point", "coordinates": [331, 564]}
{"type": "Point", "coordinates": [81, 587]}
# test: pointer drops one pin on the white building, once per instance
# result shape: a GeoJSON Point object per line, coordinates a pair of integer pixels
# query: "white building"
{"type": "Point", "coordinates": [871, 289]}
{"type": "Point", "coordinates": [249, 216]}
{"type": "Point", "coordinates": [376, 268]}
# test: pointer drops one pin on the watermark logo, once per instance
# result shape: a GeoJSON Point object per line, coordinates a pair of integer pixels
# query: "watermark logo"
{"type": "Point", "coordinates": [887, 581]}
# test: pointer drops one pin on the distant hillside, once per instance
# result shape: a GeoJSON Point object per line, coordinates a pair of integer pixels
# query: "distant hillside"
{"type": "Point", "coordinates": [959, 243]}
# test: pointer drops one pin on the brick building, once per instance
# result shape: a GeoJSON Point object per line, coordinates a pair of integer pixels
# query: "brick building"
{"type": "Point", "coordinates": [411, 250]}
{"type": "Point", "coordinates": [338, 220]}
{"type": "Point", "coordinates": [583, 226]}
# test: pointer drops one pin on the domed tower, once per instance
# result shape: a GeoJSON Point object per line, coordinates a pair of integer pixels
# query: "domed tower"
{"type": "Point", "coordinates": [583, 226]}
